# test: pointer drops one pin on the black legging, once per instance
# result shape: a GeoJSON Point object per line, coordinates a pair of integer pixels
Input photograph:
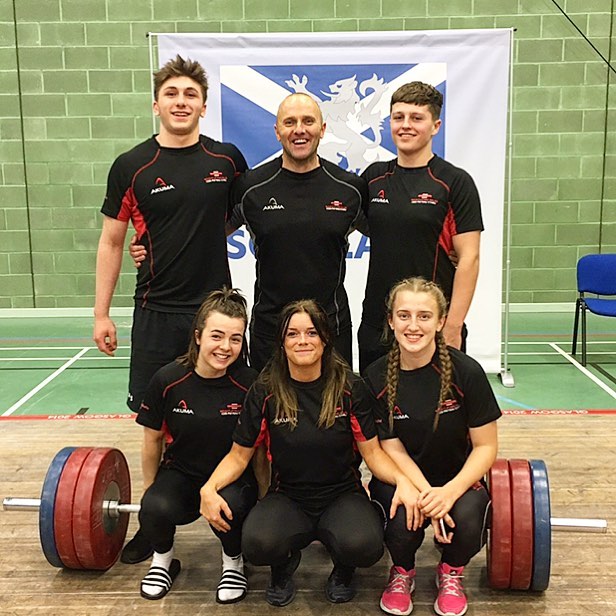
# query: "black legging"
{"type": "Point", "coordinates": [469, 513]}
{"type": "Point", "coordinates": [349, 528]}
{"type": "Point", "coordinates": [173, 500]}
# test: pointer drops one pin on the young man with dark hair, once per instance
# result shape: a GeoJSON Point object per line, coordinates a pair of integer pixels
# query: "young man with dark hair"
{"type": "Point", "coordinates": [420, 209]}
{"type": "Point", "coordinates": [174, 188]}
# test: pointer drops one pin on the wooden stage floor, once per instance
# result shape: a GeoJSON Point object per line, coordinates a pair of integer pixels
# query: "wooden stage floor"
{"type": "Point", "coordinates": [579, 452]}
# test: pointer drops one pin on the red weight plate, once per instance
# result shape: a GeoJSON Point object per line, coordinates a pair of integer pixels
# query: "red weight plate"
{"type": "Point", "coordinates": [98, 536]}
{"type": "Point", "coordinates": [499, 540]}
{"type": "Point", "coordinates": [63, 510]}
{"type": "Point", "coordinates": [522, 549]}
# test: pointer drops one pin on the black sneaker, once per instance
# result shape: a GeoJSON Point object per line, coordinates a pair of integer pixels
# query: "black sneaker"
{"type": "Point", "coordinates": [339, 588]}
{"type": "Point", "coordinates": [136, 550]}
{"type": "Point", "coordinates": [281, 589]}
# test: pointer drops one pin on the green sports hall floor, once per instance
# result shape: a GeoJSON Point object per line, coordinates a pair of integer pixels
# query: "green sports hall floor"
{"type": "Point", "coordinates": [49, 368]}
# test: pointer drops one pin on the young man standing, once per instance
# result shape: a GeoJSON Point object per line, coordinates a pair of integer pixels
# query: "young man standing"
{"type": "Point", "coordinates": [174, 189]}
{"type": "Point", "coordinates": [420, 208]}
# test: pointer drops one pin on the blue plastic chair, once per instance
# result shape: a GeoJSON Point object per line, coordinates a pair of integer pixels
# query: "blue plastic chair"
{"type": "Point", "coordinates": [595, 274]}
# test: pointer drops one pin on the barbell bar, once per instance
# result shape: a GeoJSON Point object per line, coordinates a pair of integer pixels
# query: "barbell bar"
{"type": "Point", "coordinates": [86, 494]}
{"type": "Point", "coordinates": [112, 508]}
{"type": "Point", "coordinates": [115, 508]}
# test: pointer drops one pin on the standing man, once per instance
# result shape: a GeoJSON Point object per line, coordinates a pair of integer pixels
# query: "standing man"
{"type": "Point", "coordinates": [420, 208]}
{"type": "Point", "coordinates": [299, 210]}
{"type": "Point", "coordinates": [174, 188]}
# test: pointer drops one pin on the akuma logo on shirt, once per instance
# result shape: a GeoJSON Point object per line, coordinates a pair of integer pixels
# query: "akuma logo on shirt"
{"type": "Point", "coordinates": [273, 205]}
{"type": "Point", "coordinates": [215, 176]}
{"type": "Point", "coordinates": [161, 186]}
{"type": "Point", "coordinates": [183, 409]}
{"type": "Point", "coordinates": [380, 198]}
{"type": "Point", "coordinates": [399, 414]}
{"type": "Point", "coordinates": [336, 206]}
{"type": "Point", "coordinates": [232, 408]}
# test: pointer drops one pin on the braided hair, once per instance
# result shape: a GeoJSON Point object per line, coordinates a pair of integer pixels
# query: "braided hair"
{"type": "Point", "coordinates": [417, 285]}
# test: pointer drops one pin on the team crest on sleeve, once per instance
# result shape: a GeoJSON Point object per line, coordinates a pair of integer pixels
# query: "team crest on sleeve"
{"type": "Point", "coordinates": [354, 99]}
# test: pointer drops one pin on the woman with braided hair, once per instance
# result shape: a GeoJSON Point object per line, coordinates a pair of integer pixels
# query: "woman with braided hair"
{"type": "Point", "coordinates": [436, 417]}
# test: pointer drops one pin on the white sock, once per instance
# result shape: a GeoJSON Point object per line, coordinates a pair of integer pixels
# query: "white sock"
{"type": "Point", "coordinates": [233, 562]}
{"type": "Point", "coordinates": [158, 560]}
{"type": "Point", "coordinates": [233, 584]}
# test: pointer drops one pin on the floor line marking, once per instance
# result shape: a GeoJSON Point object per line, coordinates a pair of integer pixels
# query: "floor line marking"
{"type": "Point", "coordinates": [43, 383]}
{"type": "Point", "coordinates": [584, 370]}
{"type": "Point", "coordinates": [515, 403]}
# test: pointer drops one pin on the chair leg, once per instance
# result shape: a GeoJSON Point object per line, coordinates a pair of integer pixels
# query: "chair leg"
{"type": "Point", "coordinates": [583, 334]}
{"type": "Point", "coordinates": [576, 323]}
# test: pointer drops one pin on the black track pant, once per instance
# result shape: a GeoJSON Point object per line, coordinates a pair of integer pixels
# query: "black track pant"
{"type": "Point", "coordinates": [469, 512]}
{"type": "Point", "coordinates": [157, 338]}
{"type": "Point", "coordinates": [173, 500]}
{"type": "Point", "coordinates": [349, 527]}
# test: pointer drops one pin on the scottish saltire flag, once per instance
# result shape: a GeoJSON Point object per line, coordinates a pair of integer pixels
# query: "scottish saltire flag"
{"type": "Point", "coordinates": [354, 99]}
{"type": "Point", "coordinates": [352, 75]}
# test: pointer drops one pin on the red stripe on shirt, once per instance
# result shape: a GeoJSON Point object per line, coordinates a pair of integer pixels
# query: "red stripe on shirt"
{"type": "Point", "coordinates": [187, 375]}
{"type": "Point", "coordinates": [235, 171]}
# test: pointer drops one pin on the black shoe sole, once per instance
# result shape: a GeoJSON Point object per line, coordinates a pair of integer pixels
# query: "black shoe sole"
{"type": "Point", "coordinates": [136, 550]}
{"type": "Point", "coordinates": [174, 570]}
{"type": "Point", "coordinates": [127, 560]}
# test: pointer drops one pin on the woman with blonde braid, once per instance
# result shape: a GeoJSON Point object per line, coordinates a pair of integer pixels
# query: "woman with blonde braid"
{"type": "Point", "coordinates": [436, 417]}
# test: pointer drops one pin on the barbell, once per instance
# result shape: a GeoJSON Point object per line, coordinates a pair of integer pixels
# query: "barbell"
{"type": "Point", "coordinates": [84, 508]}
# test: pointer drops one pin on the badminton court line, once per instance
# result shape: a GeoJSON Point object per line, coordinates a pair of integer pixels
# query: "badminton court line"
{"type": "Point", "coordinates": [584, 371]}
{"type": "Point", "coordinates": [42, 384]}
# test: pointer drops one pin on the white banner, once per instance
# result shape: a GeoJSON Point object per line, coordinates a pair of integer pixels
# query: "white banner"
{"type": "Point", "coordinates": [353, 74]}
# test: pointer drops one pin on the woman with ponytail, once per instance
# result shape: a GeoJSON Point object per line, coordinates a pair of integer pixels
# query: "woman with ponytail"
{"type": "Point", "coordinates": [188, 414]}
{"type": "Point", "coordinates": [436, 417]}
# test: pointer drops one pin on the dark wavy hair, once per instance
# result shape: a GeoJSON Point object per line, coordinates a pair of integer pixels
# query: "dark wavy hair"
{"type": "Point", "coordinates": [276, 376]}
{"type": "Point", "coordinates": [178, 67]}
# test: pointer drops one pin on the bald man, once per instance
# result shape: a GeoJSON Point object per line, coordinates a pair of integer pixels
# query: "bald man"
{"type": "Point", "coordinates": [299, 210]}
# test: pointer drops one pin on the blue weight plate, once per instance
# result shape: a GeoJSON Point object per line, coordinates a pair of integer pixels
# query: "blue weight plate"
{"type": "Point", "coordinates": [543, 531]}
{"type": "Point", "coordinates": [48, 503]}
